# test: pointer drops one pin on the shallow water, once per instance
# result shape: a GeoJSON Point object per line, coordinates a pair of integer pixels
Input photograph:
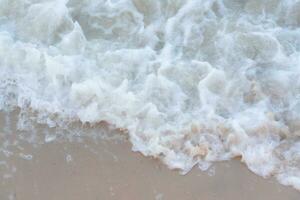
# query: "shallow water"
{"type": "Point", "coordinates": [89, 166]}
{"type": "Point", "coordinates": [190, 82]}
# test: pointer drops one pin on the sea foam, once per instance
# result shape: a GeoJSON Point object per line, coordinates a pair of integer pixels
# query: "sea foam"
{"type": "Point", "coordinates": [192, 81]}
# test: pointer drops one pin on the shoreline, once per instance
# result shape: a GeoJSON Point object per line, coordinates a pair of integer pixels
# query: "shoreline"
{"type": "Point", "coordinates": [106, 168]}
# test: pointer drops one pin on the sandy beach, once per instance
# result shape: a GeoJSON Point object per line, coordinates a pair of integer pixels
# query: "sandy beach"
{"type": "Point", "coordinates": [84, 167]}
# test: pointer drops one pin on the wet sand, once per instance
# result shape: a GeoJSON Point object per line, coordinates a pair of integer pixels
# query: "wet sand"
{"type": "Point", "coordinates": [87, 168]}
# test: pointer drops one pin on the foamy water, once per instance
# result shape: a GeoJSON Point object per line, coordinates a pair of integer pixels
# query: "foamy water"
{"type": "Point", "coordinates": [191, 81]}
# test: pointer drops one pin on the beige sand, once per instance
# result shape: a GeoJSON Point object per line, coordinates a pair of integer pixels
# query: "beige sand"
{"type": "Point", "coordinates": [107, 169]}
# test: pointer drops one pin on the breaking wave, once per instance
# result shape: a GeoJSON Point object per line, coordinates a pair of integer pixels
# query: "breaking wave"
{"type": "Point", "coordinates": [191, 81]}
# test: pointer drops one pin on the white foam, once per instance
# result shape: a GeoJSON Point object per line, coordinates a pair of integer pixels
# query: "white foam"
{"type": "Point", "coordinates": [192, 81]}
{"type": "Point", "coordinates": [26, 156]}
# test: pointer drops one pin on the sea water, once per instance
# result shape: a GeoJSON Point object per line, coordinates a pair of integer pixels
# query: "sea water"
{"type": "Point", "coordinates": [191, 81]}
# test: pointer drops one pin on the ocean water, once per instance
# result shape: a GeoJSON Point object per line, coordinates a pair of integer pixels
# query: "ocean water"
{"type": "Point", "coordinates": [190, 81]}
